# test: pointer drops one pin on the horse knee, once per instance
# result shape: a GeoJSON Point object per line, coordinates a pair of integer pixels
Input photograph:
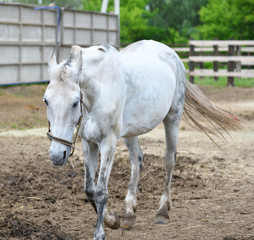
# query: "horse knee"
{"type": "Point", "coordinates": [90, 198]}
{"type": "Point", "coordinates": [89, 193]}
{"type": "Point", "coordinates": [100, 197]}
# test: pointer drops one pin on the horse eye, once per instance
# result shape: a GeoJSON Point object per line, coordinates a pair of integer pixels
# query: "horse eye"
{"type": "Point", "coordinates": [75, 104]}
{"type": "Point", "coordinates": [44, 100]}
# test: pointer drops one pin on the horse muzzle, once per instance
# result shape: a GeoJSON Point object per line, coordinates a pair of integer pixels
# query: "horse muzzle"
{"type": "Point", "coordinates": [59, 157]}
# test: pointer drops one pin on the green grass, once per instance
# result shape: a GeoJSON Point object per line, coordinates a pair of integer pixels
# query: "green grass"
{"type": "Point", "coordinates": [2, 91]}
{"type": "Point", "coordinates": [222, 82]}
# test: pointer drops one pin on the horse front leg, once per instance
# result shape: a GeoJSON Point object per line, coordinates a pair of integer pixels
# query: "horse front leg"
{"type": "Point", "coordinates": [136, 160]}
{"type": "Point", "coordinates": [91, 154]}
{"type": "Point", "coordinates": [107, 149]}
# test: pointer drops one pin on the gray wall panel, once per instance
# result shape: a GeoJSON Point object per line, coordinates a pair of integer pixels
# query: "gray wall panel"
{"type": "Point", "coordinates": [83, 20]}
{"type": "Point", "coordinates": [9, 55]}
{"type": "Point", "coordinates": [9, 32]}
{"type": "Point", "coordinates": [100, 37]}
{"type": "Point", "coordinates": [31, 34]}
{"type": "Point", "coordinates": [68, 19]}
{"type": "Point", "coordinates": [112, 23]}
{"type": "Point", "coordinates": [99, 21]}
{"type": "Point", "coordinates": [9, 13]}
{"type": "Point", "coordinates": [49, 17]}
{"type": "Point", "coordinates": [31, 54]}
{"type": "Point", "coordinates": [27, 37]}
{"type": "Point", "coordinates": [29, 15]}
{"type": "Point", "coordinates": [83, 37]}
{"type": "Point", "coordinates": [9, 74]}
{"type": "Point", "coordinates": [30, 73]}
{"type": "Point", "coordinates": [68, 36]}
{"type": "Point", "coordinates": [49, 34]}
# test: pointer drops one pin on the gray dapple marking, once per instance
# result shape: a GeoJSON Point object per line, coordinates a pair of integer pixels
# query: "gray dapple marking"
{"type": "Point", "coordinates": [123, 94]}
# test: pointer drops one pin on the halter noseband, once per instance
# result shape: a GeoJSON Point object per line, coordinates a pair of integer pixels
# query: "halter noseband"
{"type": "Point", "coordinates": [65, 142]}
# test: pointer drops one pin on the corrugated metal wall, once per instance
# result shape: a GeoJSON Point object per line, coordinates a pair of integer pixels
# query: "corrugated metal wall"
{"type": "Point", "coordinates": [27, 37]}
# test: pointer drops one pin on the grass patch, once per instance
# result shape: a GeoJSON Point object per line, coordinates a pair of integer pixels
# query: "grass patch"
{"type": "Point", "coordinates": [222, 82]}
{"type": "Point", "coordinates": [24, 90]}
{"type": "Point", "coordinates": [2, 91]}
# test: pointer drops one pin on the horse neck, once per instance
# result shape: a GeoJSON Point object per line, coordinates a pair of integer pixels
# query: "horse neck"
{"type": "Point", "coordinates": [88, 91]}
{"type": "Point", "coordinates": [101, 82]}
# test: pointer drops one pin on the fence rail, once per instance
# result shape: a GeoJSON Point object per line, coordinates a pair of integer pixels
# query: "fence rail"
{"type": "Point", "coordinates": [229, 59]}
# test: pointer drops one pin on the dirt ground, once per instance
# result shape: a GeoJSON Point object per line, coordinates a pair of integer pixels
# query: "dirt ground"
{"type": "Point", "coordinates": [212, 188]}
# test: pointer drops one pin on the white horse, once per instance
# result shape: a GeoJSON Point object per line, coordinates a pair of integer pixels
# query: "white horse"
{"type": "Point", "coordinates": [122, 94]}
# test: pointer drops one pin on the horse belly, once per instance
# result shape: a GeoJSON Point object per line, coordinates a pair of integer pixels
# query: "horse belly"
{"type": "Point", "coordinates": [143, 123]}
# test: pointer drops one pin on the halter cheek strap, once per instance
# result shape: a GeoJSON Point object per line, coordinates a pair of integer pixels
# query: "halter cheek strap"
{"type": "Point", "coordinates": [70, 144]}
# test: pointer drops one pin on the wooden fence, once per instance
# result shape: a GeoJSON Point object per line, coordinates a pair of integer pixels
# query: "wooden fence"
{"type": "Point", "coordinates": [228, 59]}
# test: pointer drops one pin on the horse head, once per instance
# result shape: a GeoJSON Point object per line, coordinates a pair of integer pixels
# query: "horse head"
{"type": "Point", "coordinates": [63, 101]}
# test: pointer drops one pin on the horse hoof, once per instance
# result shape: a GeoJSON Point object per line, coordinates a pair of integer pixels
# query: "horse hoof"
{"type": "Point", "coordinates": [162, 216]}
{"type": "Point", "coordinates": [99, 238]}
{"type": "Point", "coordinates": [116, 223]}
{"type": "Point", "coordinates": [128, 220]}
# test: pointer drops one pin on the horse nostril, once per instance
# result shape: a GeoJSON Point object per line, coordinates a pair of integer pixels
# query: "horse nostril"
{"type": "Point", "coordinates": [64, 154]}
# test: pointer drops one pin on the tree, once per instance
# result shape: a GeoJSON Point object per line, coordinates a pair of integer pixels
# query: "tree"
{"type": "Point", "coordinates": [92, 5]}
{"type": "Point", "coordinates": [227, 19]}
{"type": "Point", "coordinates": [134, 20]}
{"type": "Point", "coordinates": [178, 17]}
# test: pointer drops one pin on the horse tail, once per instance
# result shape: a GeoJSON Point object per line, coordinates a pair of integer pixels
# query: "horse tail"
{"type": "Point", "coordinates": [198, 110]}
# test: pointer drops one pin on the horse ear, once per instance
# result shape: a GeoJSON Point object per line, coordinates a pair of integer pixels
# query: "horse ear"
{"type": "Point", "coordinates": [79, 61]}
{"type": "Point", "coordinates": [75, 51]}
{"type": "Point", "coordinates": [52, 60]}
{"type": "Point", "coordinates": [104, 48]}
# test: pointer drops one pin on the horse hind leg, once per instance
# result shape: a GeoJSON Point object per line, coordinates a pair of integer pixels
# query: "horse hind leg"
{"type": "Point", "coordinates": [136, 160]}
{"type": "Point", "coordinates": [171, 133]}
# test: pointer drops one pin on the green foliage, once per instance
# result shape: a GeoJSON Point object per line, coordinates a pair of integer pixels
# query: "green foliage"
{"type": "Point", "coordinates": [134, 19]}
{"type": "Point", "coordinates": [175, 36]}
{"type": "Point", "coordinates": [227, 19]}
{"type": "Point", "coordinates": [92, 5]}
{"type": "Point", "coordinates": [180, 17]}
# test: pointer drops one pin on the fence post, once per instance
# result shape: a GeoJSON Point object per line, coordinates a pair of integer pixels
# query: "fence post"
{"type": "Point", "coordinates": [238, 64]}
{"type": "Point", "coordinates": [215, 63]}
{"type": "Point", "coordinates": [201, 64]}
{"type": "Point", "coordinates": [192, 64]}
{"type": "Point", "coordinates": [231, 65]}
